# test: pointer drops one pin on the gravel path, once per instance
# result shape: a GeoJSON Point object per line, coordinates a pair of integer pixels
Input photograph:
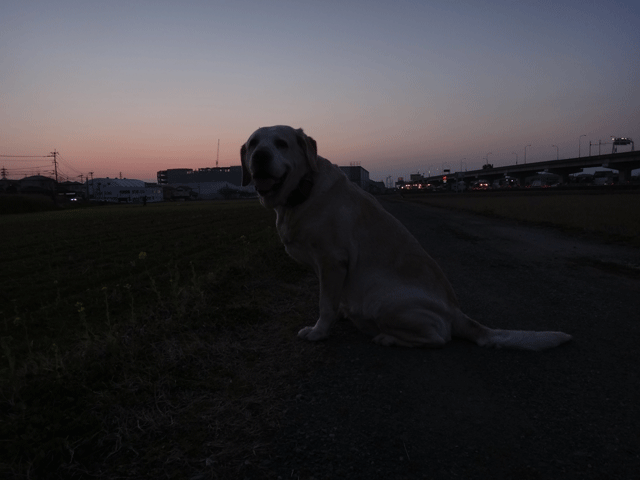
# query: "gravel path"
{"type": "Point", "coordinates": [468, 412]}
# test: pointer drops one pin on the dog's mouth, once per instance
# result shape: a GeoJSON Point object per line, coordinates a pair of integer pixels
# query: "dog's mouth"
{"type": "Point", "coordinates": [269, 186]}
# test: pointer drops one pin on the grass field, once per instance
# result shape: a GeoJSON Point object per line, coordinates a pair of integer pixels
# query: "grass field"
{"type": "Point", "coordinates": [610, 216]}
{"type": "Point", "coordinates": [145, 341]}
{"type": "Point", "coordinates": [13, 203]}
{"type": "Point", "coordinates": [159, 341]}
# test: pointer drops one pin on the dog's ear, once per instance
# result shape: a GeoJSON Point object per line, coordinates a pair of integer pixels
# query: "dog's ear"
{"type": "Point", "coordinates": [246, 175]}
{"type": "Point", "coordinates": [309, 147]}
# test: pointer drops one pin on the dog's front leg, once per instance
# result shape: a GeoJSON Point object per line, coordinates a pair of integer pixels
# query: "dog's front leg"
{"type": "Point", "coordinates": [332, 276]}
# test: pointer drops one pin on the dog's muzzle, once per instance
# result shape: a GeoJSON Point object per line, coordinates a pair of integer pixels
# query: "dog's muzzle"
{"type": "Point", "coordinates": [261, 171]}
{"type": "Point", "coordinates": [267, 186]}
{"type": "Point", "coordinates": [261, 161]}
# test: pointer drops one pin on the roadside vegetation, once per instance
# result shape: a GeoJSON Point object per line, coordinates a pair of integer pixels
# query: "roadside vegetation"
{"type": "Point", "coordinates": [146, 342]}
{"type": "Point", "coordinates": [612, 217]}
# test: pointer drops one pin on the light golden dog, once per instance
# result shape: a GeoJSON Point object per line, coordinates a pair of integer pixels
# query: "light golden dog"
{"type": "Point", "coordinates": [371, 269]}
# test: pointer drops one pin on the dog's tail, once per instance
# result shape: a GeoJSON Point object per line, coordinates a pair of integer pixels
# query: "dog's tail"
{"type": "Point", "coordinates": [465, 327]}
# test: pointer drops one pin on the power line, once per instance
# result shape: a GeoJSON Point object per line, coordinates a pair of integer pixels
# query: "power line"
{"type": "Point", "coordinates": [34, 169]}
{"type": "Point", "coordinates": [31, 167]}
{"type": "Point", "coordinates": [32, 159]}
{"type": "Point", "coordinates": [62, 161]}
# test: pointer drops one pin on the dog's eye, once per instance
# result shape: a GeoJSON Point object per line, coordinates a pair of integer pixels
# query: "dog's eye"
{"type": "Point", "coordinates": [281, 144]}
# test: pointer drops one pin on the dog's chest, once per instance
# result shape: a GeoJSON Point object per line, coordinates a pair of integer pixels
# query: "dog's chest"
{"type": "Point", "coordinates": [295, 243]}
{"type": "Point", "coordinates": [298, 253]}
{"type": "Point", "coordinates": [298, 250]}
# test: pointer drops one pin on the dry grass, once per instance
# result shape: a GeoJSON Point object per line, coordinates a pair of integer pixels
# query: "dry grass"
{"type": "Point", "coordinates": [613, 216]}
{"type": "Point", "coordinates": [159, 341]}
{"type": "Point", "coordinates": [149, 342]}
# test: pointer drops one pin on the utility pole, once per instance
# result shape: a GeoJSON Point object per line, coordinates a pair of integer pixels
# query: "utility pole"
{"type": "Point", "coordinates": [54, 154]}
{"type": "Point", "coordinates": [90, 173]}
{"type": "Point", "coordinates": [579, 144]}
{"type": "Point", "coordinates": [4, 173]}
{"type": "Point", "coordinates": [81, 175]}
{"type": "Point", "coordinates": [218, 154]}
{"type": "Point", "coordinates": [54, 194]}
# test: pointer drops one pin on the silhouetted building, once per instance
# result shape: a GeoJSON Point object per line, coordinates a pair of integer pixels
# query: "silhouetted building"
{"type": "Point", "coordinates": [122, 190]}
{"type": "Point", "coordinates": [357, 175]}
{"type": "Point", "coordinates": [232, 175]}
{"type": "Point", "coordinates": [37, 184]}
{"type": "Point", "coordinates": [72, 188]}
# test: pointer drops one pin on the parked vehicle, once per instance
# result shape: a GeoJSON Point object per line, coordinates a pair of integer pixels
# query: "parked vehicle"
{"type": "Point", "coordinates": [603, 181]}
{"type": "Point", "coordinates": [458, 186]}
{"type": "Point", "coordinates": [505, 182]}
{"type": "Point", "coordinates": [480, 185]}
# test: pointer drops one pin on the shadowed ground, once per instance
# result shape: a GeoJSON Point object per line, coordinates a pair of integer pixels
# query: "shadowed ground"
{"type": "Point", "coordinates": [469, 412]}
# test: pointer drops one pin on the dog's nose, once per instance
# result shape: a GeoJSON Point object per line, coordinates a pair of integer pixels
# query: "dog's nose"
{"type": "Point", "coordinates": [260, 162]}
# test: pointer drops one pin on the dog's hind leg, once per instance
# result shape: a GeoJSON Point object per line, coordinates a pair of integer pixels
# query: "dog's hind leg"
{"type": "Point", "coordinates": [415, 328]}
{"type": "Point", "coordinates": [434, 341]}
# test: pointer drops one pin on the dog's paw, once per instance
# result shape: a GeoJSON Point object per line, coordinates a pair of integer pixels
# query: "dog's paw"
{"type": "Point", "coordinates": [312, 334]}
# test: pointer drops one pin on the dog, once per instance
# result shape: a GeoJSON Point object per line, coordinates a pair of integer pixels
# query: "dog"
{"type": "Point", "coordinates": [371, 270]}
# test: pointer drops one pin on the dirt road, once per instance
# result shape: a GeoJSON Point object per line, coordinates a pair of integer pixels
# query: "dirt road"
{"type": "Point", "coordinates": [471, 412]}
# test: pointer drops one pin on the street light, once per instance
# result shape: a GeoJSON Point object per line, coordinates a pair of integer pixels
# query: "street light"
{"type": "Point", "coordinates": [579, 144]}
{"type": "Point", "coordinates": [557, 152]}
{"type": "Point", "coordinates": [525, 153]}
{"type": "Point", "coordinates": [514, 153]}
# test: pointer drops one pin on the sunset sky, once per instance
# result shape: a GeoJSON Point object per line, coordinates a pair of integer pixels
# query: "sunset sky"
{"type": "Point", "coordinates": [401, 87]}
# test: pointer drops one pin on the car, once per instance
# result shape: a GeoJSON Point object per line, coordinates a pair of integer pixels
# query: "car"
{"type": "Point", "coordinates": [480, 185]}
{"type": "Point", "coordinates": [458, 186]}
{"type": "Point", "coordinates": [603, 181]}
{"type": "Point", "coordinates": [538, 184]}
{"type": "Point", "coordinates": [504, 183]}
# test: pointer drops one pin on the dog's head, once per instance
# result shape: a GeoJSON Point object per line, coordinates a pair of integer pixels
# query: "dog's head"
{"type": "Point", "coordinates": [276, 160]}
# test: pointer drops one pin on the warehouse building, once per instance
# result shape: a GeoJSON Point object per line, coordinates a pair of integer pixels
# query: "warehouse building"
{"type": "Point", "coordinates": [207, 183]}
{"type": "Point", "coordinates": [232, 175]}
{"type": "Point", "coordinates": [122, 190]}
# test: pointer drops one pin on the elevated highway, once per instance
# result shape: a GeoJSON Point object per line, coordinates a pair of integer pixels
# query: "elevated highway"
{"type": "Point", "coordinates": [624, 162]}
